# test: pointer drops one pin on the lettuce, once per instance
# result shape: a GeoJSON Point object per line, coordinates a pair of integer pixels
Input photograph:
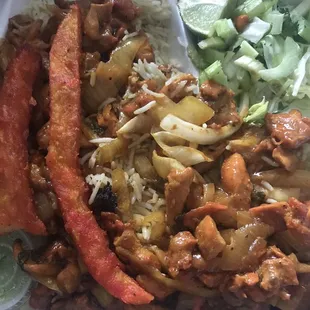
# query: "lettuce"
{"type": "Point", "coordinates": [257, 112]}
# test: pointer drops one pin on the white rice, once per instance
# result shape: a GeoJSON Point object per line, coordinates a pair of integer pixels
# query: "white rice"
{"type": "Point", "coordinates": [101, 140]}
{"type": "Point", "coordinates": [147, 91]}
{"type": "Point", "coordinates": [86, 157]}
{"type": "Point", "coordinates": [106, 102]}
{"type": "Point", "coordinates": [130, 35]}
{"type": "Point", "coordinates": [148, 106]}
{"type": "Point", "coordinates": [149, 71]}
{"type": "Point", "coordinates": [269, 161]}
{"type": "Point", "coordinates": [267, 185]}
{"type": "Point", "coordinates": [97, 180]}
{"type": "Point", "coordinates": [269, 200]}
{"type": "Point", "coordinates": [179, 88]}
{"type": "Point", "coordinates": [92, 160]}
{"type": "Point", "coordinates": [155, 20]}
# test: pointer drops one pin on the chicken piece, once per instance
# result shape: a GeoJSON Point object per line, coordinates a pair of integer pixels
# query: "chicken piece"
{"type": "Point", "coordinates": [195, 197]}
{"type": "Point", "coordinates": [285, 158]}
{"type": "Point", "coordinates": [240, 281]}
{"type": "Point", "coordinates": [212, 280]}
{"type": "Point", "coordinates": [277, 273]}
{"type": "Point", "coordinates": [177, 89]}
{"type": "Point", "coordinates": [41, 297]}
{"type": "Point", "coordinates": [153, 287]}
{"type": "Point", "coordinates": [192, 218]}
{"type": "Point", "coordinates": [107, 118]}
{"type": "Point", "coordinates": [225, 111]}
{"type": "Point", "coordinates": [16, 203]}
{"type": "Point", "coordinates": [211, 90]}
{"type": "Point", "coordinates": [180, 250]}
{"type": "Point", "coordinates": [267, 145]}
{"type": "Point", "coordinates": [129, 241]}
{"type": "Point", "coordinates": [98, 16]}
{"type": "Point", "coordinates": [146, 52]}
{"type": "Point", "coordinates": [272, 214]}
{"type": "Point", "coordinates": [210, 241]}
{"type": "Point", "coordinates": [126, 9]}
{"type": "Point", "coordinates": [236, 181]}
{"type": "Point", "coordinates": [241, 22]}
{"type": "Point", "coordinates": [139, 101]}
{"type": "Point", "coordinates": [290, 130]}
{"type": "Point", "coordinates": [176, 192]}
{"type": "Point", "coordinates": [91, 61]}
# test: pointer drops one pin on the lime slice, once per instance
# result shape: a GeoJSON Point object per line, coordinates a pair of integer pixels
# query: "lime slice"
{"type": "Point", "coordinates": [200, 15]}
{"type": "Point", "coordinates": [14, 283]}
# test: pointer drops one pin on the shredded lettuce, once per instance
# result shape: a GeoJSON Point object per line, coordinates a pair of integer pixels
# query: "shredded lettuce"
{"type": "Point", "coordinates": [273, 50]}
{"type": "Point", "coordinates": [256, 30]}
{"type": "Point", "coordinates": [225, 29]}
{"type": "Point", "coordinates": [302, 105]}
{"type": "Point", "coordinates": [214, 72]}
{"type": "Point", "coordinates": [287, 65]}
{"type": "Point", "coordinates": [304, 29]}
{"type": "Point", "coordinates": [252, 65]}
{"type": "Point", "coordinates": [247, 50]}
{"type": "Point", "coordinates": [301, 72]}
{"type": "Point", "coordinates": [276, 19]}
{"type": "Point", "coordinates": [257, 112]}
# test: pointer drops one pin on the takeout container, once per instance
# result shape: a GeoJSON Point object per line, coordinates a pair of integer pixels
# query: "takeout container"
{"type": "Point", "coordinates": [178, 52]}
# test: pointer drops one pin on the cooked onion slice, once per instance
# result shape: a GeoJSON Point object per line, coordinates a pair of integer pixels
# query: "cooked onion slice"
{"type": "Point", "coordinates": [197, 134]}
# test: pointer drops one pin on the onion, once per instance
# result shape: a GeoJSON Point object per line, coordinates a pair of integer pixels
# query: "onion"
{"type": "Point", "coordinates": [282, 178]}
{"type": "Point", "coordinates": [197, 134]}
{"type": "Point", "coordinates": [189, 109]}
{"type": "Point", "coordinates": [163, 165]}
{"type": "Point", "coordinates": [187, 156]}
{"type": "Point", "coordinates": [139, 124]}
{"type": "Point", "coordinates": [108, 152]}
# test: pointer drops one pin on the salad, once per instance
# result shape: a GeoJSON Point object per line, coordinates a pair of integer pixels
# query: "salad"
{"type": "Point", "coordinates": [151, 188]}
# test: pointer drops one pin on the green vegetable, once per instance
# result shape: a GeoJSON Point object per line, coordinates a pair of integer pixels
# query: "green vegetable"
{"type": "Point", "coordinates": [301, 10]}
{"type": "Point", "coordinates": [212, 43]}
{"type": "Point", "coordinates": [276, 19]}
{"type": "Point", "coordinates": [249, 64]}
{"type": "Point", "coordinates": [273, 49]}
{"type": "Point", "coordinates": [301, 72]}
{"type": "Point", "coordinates": [257, 112]}
{"type": "Point", "coordinates": [211, 55]}
{"type": "Point", "coordinates": [197, 59]}
{"type": "Point", "coordinates": [247, 50]}
{"type": "Point", "coordinates": [225, 29]}
{"type": "Point", "coordinates": [253, 8]}
{"type": "Point", "coordinates": [304, 29]}
{"type": "Point", "coordinates": [256, 30]}
{"type": "Point", "coordinates": [214, 72]}
{"type": "Point", "coordinates": [287, 65]}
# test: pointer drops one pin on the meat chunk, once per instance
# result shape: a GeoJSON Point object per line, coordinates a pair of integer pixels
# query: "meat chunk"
{"type": "Point", "coordinates": [277, 273]}
{"type": "Point", "coordinates": [285, 158]}
{"type": "Point", "coordinates": [236, 181]}
{"type": "Point", "coordinates": [16, 204]}
{"type": "Point", "coordinates": [210, 241]}
{"type": "Point", "coordinates": [146, 52]}
{"type": "Point", "coordinates": [177, 89]}
{"type": "Point", "coordinates": [212, 280]}
{"type": "Point", "coordinates": [180, 252]}
{"type": "Point", "coordinates": [176, 192]}
{"type": "Point", "coordinates": [192, 218]}
{"type": "Point", "coordinates": [141, 100]}
{"type": "Point", "coordinates": [290, 130]}
{"type": "Point", "coordinates": [129, 241]}
{"type": "Point", "coordinates": [211, 90]}
{"type": "Point", "coordinates": [272, 214]}
{"type": "Point", "coordinates": [79, 302]}
{"type": "Point", "coordinates": [41, 297]}
{"type": "Point", "coordinates": [126, 9]}
{"type": "Point", "coordinates": [225, 110]}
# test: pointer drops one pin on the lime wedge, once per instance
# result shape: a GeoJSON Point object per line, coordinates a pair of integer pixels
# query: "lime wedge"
{"type": "Point", "coordinates": [200, 15]}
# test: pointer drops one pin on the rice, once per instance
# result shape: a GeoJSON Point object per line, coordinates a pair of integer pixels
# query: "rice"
{"type": "Point", "coordinates": [147, 91]}
{"type": "Point", "coordinates": [269, 200]}
{"type": "Point", "coordinates": [269, 161]}
{"type": "Point", "coordinates": [130, 35]}
{"type": "Point", "coordinates": [155, 20]}
{"type": "Point", "coordinates": [267, 185]}
{"type": "Point", "coordinates": [101, 140]}
{"type": "Point", "coordinates": [106, 102]}
{"type": "Point", "coordinates": [86, 157]}
{"type": "Point", "coordinates": [92, 160]}
{"type": "Point", "coordinates": [148, 106]}
{"type": "Point", "coordinates": [179, 88]}
{"type": "Point", "coordinates": [97, 180]}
